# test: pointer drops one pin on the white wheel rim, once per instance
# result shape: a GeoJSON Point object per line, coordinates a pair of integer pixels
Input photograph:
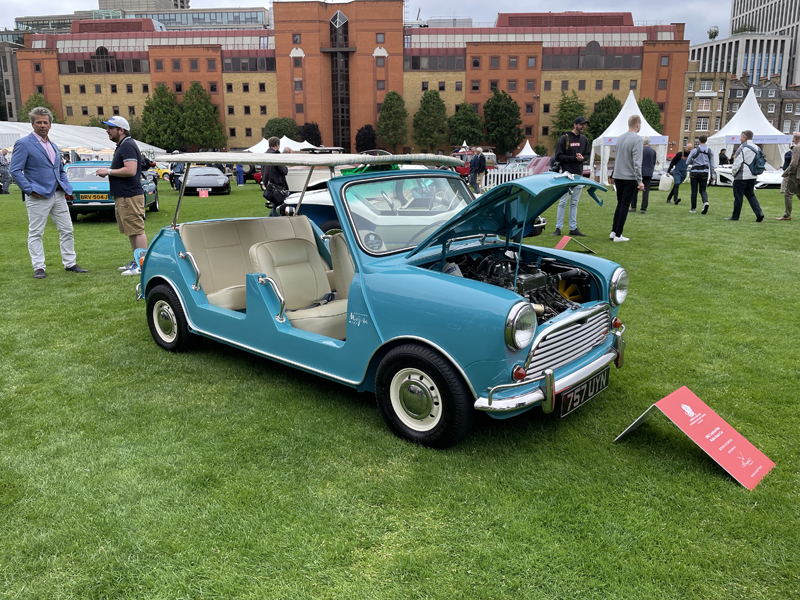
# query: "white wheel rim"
{"type": "Point", "coordinates": [415, 399]}
{"type": "Point", "coordinates": [165, 321]}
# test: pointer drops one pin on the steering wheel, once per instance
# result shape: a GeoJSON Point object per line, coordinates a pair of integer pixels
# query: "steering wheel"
{"type": "Point", "coordinates": [389, 202]}
{"type": "Point", "coordinates": [424, 229]}
{"type": "Point", "coordinates": [440, 200]}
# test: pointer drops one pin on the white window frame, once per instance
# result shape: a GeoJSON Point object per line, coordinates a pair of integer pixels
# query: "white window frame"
{"type": "Point", "coordinates": [740, 93]}
{"type": "Point", "coordinates": [789, 109]}
{"type": "Point", "coordinates": [787, 126]}
{"type": "Point", "coordinates": [797, 108]}
{"type": "Point", "coordinates": [796, 126]}
{"type": "Point", "coordinates": [691, 85]}
{"type": "Point", "coordinates": [770, 108]}
{"type": "Point", "coordinates": [721, 85]}
{"type": "Point", "coordinates": [719, 104]}
{"type": "Point", "coordinates": [701, 124]}
{"type": "Point", "coordinates": [688, 104]}
{"type": "Point", "coordinates": [770, 93]}
{"type": "Point", "coordinates": [687, 124]}
{"type": "Point", "coordinates": [734, 107]}
{"type": "Point", "coordinates": [706, 85]}
{"type": "Point", "coordinates": [717, 123]}
{"type": "Point", "coordinates": [758, 94]}
{"type": "Point", "coordinates": [704, 104]}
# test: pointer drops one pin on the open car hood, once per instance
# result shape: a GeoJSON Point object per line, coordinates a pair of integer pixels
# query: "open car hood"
{"type": "Point", "coordinates": [506, 209]}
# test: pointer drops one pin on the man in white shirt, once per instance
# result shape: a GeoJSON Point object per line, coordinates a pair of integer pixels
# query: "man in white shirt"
{"type": "Point", "coordinates": [744, 181]}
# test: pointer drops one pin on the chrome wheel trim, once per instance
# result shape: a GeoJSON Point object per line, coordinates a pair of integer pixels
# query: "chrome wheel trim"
{"type": "Point", "coordinates": [165, 321]}
{"type": "Point", "coordinates": [415, 399]}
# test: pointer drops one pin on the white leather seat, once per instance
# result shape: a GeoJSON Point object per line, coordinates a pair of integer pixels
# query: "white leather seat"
{"type": "Point", "coordinates": [300, 273]}
{"type": "Point", "coordinates": [342, 263]}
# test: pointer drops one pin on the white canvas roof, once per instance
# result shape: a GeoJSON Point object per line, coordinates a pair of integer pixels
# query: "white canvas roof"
{"type": "Point", "coordinates": [310, 160]}
{"type": "Point", "coordinates": [74, 136]}
{"type": "Point", "coordinates": [774, 143]}
{"type": "Point", "coordinates": [286, 142]}
{"type": "Point", "coordinates": [527, 151]}
{"type": "Point", "coordinates": [606, 145]}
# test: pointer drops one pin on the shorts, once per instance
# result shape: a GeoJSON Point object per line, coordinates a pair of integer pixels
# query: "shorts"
{"type": "Point", "coordinates": [130, 214]}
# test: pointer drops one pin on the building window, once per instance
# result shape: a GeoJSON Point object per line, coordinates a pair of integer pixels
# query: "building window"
{"type": "Point", "coordinates": [564, 85]}
{"type": "Point", "coordinates": [193, 64]}
{"type": "Point", "coordinates": [598, 84]}
{"type": "Point", "coordinates": [796, 126]}
{"type": "Point", "coordinates": [424, 86]}
{"type": "Point", "coordinates": [787, 126]}
{"type": "Point", "coordinates": [740, 93]}
{"type": "Point", "coordinates": [85, 111]}
{"type": "Point", "coordinates": [131, 111]}
{"type": "Point", "coordinates": [717, 123]}
{"type": "Point", "coordinates": [494, 62]}
{"type": "Point", "coordinates": [691, 88]}
{"type": "Point", "coordinates": [661, 106]}
{"type": "Point", "coordinates": [115, 110]}
{"type": "Point", "coordinates": [512, 62]}
{"type": "Point", "coordinates": [492, 85]}
{"type": "Point", "coordinates": [771, 93]}
{"type": "Point", "coordinates": [100, 111]}
{"type": "Point", "coordinates": [232, 132]}
{"type": "Point", "coordinates": [37, 67]}
{"type": "Point", "coordinates": [298, 85]}
{"type": "Point", "coordinates": [298, 109]}
{"type": "Point", "coordinates": [689, 104]}
{"type": "Point", "coordinates": [381, 84]}
{"type": "Point", "coordinates": [378, 107]}
{"type": "Point", "coordinates": [615, 84]}
{"type": "Point", "coordinates": [529, 131]}
{"type": "Point", "coordinates": [475, 86]}
{"type": "Point", "coordinates": [159, 65]}
{"type": "Point", "coordinates": [145, 88]}
{"type": "Point", "coordinates": [662, 84]}
{"type": "Point", "coordinates": [380, 38]}
{"type": "Point", "coordinates": [176, 64]}
{"type": "Point", "coordinates": [247, 110]}
{"type": "Point", "coordinates": [581, 84]}
{"type": "Point", "coordinates": [129, 88]}
{"type": "Point", "coordinates": [529, 109]}
{"type": "Point", "coordinates": [66, 91]}
{"type": "Point", "coordinates": [69, 111]}
{"type": "Point", "coordinates": [229, 88]}
{"type": "Point", "coordinates": [706, 85]}
{"type": "Point", "coordinates": [686, 124]}
{"type": "Point", "coordinates": [734, 107]}
{"type": "Point", "coordinates": [530, 85]}
{"type": "Point", "coordinates": [770, 108]}
{"type": "Point", "coordinates": [113, 88]}
{"type": "Point", "coordinates": [231, 110]}
{"type": "Point", "coordinates": [512, 85]}
{"type": "Point", "coordinates": [476, 62]}
{"type": "Point", "coordinates": [211, 64]}
{"type": "Point", "coordinates": [633, 84]}
{"type": "Point", "coordinates": [82, 88]}
{"type": "Point", "coordinates": [98, 89]}
{"type": "Point", "coordinates": [546, 86]}
{"type": "Point", "coordinates": [665, 61]}
{"type": "Point", "coordinates": [178, 88]}
{"type": "Point", "coordinates": [797, 108]}
{"type": "Point", "coordinates": [719, 104]}
{"type": "Point", "coordinates": [380, 61]}
{"type": "Point", "coordinates": [248, 132]}
{"type": "Point", "coordinates": [262, 87]}
{"type": "Point", "coordinates": [704, 104]}
{"type": "Point", "coordinates": [702, 124]}
{"type": "Point", "coordinates": [459, 86]}
{"type": "Point", "coordinates": [212, 87]}
{"type": "Point", "coordinates": [297, 62]}
{"type": "Point", "coordinates": [246, 88]}
{"type": "Point", "coordinates": [531, 62]}
{"type": "Point", "coordinates": [476, 108]}
{"type": "Point", "coordinates": [545, 108]}
{"type": "Point", "coordinates": [721, 85]}
{"type": "Point", "coordinates": [788, 109]}
{"type": "Point", "coordinates": [545, 130]}
{"type": "Point", "coordinates": [296, 38]}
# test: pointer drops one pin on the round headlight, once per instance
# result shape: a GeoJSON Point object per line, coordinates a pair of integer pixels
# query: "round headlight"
{"type": "Point", "coordinates": [520, 326]}
{"type": "Point", "coordinates": [619, 287]}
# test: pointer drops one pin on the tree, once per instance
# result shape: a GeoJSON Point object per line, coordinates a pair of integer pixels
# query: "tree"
{"type": "Point", "coordinates": [200, 123]}
{"type": "Point", "coordinates": [282, 126]}
{"type": "Point", "coordinates": [161, 120]}
{"type": "Point", "coordinates": [651, 113]}
{"type": "Point", "coordinates": [465, 126]}
{"type": "Point", "coordinates": [745, 28]}
{"type": "Point", "coordinates": [94, 122]}
{"type": "Point", "coordinates": [310, 133]}
{"type": "Point", "coordinates": [540, 150]}
{"type": "Point", "coordinates": [392, 127]}
{"type": "Point", "coordinates": [607, 110]}
{"type": "Point", "coordinates": [430, 122]}
{"type": "Point", "coordinates": [567, 109]}
{"type": "Point", "coordinates": [502, 122]}
{"type": "Point", "coordinates": [713, 32]}
{"type": "Point", "coordinates": [136, 127]}
{"type": "Point", "coordinates": [34, 100]}
{"type": "Point", "coordinates": [366, 139]}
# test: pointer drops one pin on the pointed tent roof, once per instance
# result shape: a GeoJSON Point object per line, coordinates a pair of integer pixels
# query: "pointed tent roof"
{"type": "Point", "coordinates": [620, 124]}
{"type": "Point", "coordinates": [527, 151]}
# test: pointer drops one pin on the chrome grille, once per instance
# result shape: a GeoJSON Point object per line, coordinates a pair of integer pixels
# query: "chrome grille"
{"type": "Point", "coordinates": [568, 344]}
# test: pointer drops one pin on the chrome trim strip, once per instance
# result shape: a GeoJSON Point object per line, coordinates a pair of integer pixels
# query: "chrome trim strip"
{"type": "Point", "coordinates": [264, 280]}
{"type": "Point", "coordinates": [538, 395]}
{"type": "Point", "coordinates": [139, 295]}
{"type": "Point", "coordinates": [180, 195]}
{"type": "Point", "coordinates": [190, 256]}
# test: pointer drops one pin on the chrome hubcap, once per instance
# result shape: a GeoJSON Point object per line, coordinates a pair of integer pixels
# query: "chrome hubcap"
{"type": "Point", "coordinates": [416, 399]}
{"type": "Point", "coordinates": [165, 321]}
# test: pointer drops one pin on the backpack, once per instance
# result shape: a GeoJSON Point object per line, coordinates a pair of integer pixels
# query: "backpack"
{"type": "Point", "coordinates": [759, 162]}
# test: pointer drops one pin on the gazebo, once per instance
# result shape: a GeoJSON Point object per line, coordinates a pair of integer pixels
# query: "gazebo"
{"type": "Point", "coordinates": [527, 151]}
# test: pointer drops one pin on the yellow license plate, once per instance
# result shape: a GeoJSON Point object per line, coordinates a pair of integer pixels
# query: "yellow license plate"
{"type": "Point", "coordinates": [94, 196]}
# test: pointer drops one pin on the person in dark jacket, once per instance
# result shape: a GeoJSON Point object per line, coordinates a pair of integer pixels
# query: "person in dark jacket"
{"type": "Point", "coordinates": [275, 174]}
{"type": "Point", "coordinates": [723, 158]}
{"type": "Point", "coordinates": [571, 150]}
{"type": "Point", "coordinates": [677, 168]}
{"type": "Point", "coordinates": [477, 167]}
{"type": "Point", "coordinates": [648, 166]}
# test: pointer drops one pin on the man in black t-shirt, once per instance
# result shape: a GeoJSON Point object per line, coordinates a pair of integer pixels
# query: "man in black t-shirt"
{"type": "Point", "coordinates": [571, 150]}
{"type": "Point", "coordinates": [125, 181]}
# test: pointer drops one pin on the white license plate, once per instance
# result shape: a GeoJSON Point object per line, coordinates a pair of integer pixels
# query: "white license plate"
{"type": "Point", "coordinates": [203, 189]}
{"type": "Point", "coordinates": [579, 395]}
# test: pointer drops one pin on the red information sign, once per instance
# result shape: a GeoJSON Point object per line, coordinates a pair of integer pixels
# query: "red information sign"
{"type": "Point", "coordinates": [746, 463]}
{"type": "Point", "coordinates": [203, 193]}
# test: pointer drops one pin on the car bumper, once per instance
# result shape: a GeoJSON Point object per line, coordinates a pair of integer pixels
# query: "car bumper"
{"type": "Point", "coordinates": [543, 390]}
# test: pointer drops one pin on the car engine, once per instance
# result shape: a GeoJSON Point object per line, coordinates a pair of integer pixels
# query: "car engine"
{"type": "Point", "coordinates": [551, 286]}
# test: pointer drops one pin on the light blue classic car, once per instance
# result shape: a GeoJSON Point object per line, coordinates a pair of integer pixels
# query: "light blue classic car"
{"type": "Point", "coordinates": [427, 297]}
{"type": "Point", "coordinates": [91, 193]}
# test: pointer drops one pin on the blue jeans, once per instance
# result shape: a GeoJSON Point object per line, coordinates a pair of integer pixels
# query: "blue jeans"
{"type": "Point", "coordinates": [573, 196]}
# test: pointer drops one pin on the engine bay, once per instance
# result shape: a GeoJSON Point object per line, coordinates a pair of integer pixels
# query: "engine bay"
{"type": "Point", "coordinates": [551, 286]}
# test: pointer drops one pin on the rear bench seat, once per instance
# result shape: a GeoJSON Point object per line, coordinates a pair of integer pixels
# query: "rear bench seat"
{"type": "Point", "coordinates": [222, 252]}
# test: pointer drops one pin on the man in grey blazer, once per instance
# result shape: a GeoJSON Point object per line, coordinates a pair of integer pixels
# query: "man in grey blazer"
{"type": "Point", "coordinates": [36, 168]}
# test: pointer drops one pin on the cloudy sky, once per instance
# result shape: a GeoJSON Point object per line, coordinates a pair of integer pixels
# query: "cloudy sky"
{"type": "Point", "coordinates": [698, 15]}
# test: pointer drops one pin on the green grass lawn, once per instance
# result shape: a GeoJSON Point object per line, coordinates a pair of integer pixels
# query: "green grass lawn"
{"type": "Point", "coordinates": [130, 472]}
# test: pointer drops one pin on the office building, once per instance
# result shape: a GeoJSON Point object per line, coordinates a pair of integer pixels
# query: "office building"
{"type": "Point", "coordinates": [746, 55]}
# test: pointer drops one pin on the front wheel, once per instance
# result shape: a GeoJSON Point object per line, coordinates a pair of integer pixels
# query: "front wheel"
{"type": "Point", "coordinates": [167, 321]}
{"type": "Point", "coordinates": [423, 398]}
{"type": "Point", "coordinates": [154, 206]}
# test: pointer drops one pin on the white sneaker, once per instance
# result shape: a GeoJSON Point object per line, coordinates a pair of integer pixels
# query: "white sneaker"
{"type": "Point", "coordinates": [128, 266]}
{"type": "Point", "coordinates": [692, 211]}
{"type": "Point", "coordinates": [621, 238]}
{"type": "Point", "coordinates": [612, 236]}
{"type": "Point", "coordinates": [134, 270]}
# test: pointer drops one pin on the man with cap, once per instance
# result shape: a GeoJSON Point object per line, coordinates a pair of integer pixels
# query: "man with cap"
{"type": "Point", "coordinates": [571, 150]}
{"type": "Point", "coordinates": [125, 183]}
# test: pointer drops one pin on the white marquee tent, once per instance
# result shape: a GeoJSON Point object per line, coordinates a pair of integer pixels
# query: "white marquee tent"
{"type": "Point", "coordinates": [606, 145]}
{"type": "Point", "coordinates": [73, 136]}
{"type": "Point", "coordinates": [774, 143]}
{"type": "Point", "coordinates": [527, 151]}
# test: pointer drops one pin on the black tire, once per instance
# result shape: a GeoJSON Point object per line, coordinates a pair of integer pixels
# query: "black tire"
{"type": "Point", "coordinates": [331, 225]}
{"type": "Point", "coordinates": [165, 177]}
{"type": "Point", "coordinates": [441, 413]}
{"type": "Point", "coordinates": [154, 206]}
{"type": "Point", "coordinates": [167, 321]}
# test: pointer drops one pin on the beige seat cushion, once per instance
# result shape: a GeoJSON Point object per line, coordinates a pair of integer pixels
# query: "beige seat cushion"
{"type": "Point", "coordinates": [342, 262]}
{"type": "Point", "coordinates": [232, 298]}
{"type": "Point", "coordinates": [328, 319]}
